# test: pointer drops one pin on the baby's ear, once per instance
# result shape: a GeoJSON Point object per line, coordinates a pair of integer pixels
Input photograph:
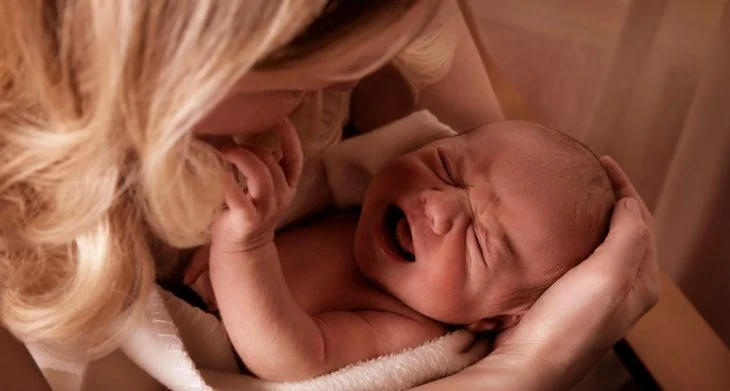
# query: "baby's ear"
{"type": "Point", "coordinates": [498, 323]}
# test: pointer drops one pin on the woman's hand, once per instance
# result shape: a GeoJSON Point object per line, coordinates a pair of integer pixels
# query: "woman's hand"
{"type": "Point", "coordinates": [596, 303]}
{"type": "Point", "coordinates": [577, 320]}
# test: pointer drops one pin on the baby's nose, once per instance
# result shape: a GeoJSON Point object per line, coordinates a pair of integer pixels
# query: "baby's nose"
{"type": "Point", "coordinates": [441, 208]}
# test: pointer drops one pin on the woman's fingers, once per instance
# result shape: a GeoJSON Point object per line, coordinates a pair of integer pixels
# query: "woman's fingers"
{"type": "Point", "coordinates": [622, 185]}
{"type": "Point", "coordinates": [627, 241]}
{"type": "Point", "coordinates": [292, 159]}
{"type": "Point", "coordinates": [627, 259]}
{"type": "Point", "coordinates": [620, 181]}
{"type": "Point", "coordinates": [648, 269]}
{"type": "Point", "coordinates": [597, 302]}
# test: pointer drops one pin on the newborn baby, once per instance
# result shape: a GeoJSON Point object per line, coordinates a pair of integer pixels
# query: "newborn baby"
{"type": "Point", "coordinates": [468, 230]}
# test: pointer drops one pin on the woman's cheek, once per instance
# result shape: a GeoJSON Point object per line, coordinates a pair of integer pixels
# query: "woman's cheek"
{"type": "Point", "coordinates": [249, 113]}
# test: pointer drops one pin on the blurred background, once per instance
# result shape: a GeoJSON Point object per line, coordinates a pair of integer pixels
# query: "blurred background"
{"type": "Point", "coordinates": [648, 82]}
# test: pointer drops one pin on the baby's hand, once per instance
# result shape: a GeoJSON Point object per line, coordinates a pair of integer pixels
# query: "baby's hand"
{"type": "Point", "coordinates": [249, 219]}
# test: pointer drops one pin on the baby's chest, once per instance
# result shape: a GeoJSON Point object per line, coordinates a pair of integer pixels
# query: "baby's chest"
{"type": "Point", "coordinates": [318, 264]}
{"type": "Point", "coordinates": [325, 285]}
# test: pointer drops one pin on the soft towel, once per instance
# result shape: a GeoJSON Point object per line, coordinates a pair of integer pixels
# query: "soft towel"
{"type": "Point", "coordinates": [196, 355]}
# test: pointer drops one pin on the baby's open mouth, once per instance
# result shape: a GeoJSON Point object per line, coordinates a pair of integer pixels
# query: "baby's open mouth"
{"type": "Point", "coordinates": [397, 233]}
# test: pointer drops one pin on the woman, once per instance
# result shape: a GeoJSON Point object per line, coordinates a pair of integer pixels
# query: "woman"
{"type": "Point", "coordinates": [110, 112]}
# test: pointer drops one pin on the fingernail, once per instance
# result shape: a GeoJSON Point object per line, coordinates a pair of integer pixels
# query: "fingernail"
{"type": "Point", "coordinates": [632, 205]}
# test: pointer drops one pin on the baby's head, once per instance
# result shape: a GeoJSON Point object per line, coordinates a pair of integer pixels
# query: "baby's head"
{"type": "Point", "coordinates": [471, 229]}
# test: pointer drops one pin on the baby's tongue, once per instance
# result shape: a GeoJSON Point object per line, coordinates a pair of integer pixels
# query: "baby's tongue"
{"type": "Point", "coordinates": [403, 234]}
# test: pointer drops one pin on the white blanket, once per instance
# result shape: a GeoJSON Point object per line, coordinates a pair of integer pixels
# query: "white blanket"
{"type": "Point", "coordinates": [198, 356]}
{"type": "Point", "coordinates": [183, 348]}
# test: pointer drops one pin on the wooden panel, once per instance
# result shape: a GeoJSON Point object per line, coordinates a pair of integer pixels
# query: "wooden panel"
{"type": "Point", "coordinates": [678, 347]}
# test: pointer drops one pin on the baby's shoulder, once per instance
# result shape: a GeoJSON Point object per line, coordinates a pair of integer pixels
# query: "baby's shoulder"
{"type": "Point", "coordinates": [368, 333]}
{"type": "Point", "coordinates": [394, 331]}
{"type": "Point", "coordinates": [391, 312]}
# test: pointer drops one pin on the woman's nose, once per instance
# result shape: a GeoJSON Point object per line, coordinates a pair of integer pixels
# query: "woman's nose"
{"type": "Point", "coordinates": [441, 208]}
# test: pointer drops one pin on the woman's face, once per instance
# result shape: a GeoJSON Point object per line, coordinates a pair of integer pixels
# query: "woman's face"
{"type": "Point", "coordinates": [262, 98]}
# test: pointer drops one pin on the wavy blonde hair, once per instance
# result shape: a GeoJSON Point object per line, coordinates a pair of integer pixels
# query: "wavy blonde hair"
{"type": "Point", "coordinates": [97, 161]}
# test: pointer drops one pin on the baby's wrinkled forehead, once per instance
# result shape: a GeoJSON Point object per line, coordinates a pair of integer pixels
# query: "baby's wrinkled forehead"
{"type": "Point", "coordinates": [471, 143]}
{"type": "Point", "coordinates": [487, 143]}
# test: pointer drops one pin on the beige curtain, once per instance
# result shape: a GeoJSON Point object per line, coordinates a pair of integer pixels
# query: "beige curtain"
{"type": "Point", "coordinates": [648, 82]}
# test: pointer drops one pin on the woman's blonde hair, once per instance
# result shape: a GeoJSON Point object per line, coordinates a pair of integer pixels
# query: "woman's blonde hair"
{"type": "Point", "coordinates": [97, 161]}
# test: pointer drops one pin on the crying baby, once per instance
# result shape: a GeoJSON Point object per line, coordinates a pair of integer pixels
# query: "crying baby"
{"type": "Point", "coordinates": [466, 231]}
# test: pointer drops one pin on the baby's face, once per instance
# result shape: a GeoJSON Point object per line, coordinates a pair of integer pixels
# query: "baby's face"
{"type": "Point", "coordinates": [460, 229]}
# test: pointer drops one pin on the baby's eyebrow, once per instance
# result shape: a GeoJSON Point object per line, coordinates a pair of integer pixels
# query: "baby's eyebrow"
{"type": "Point", "coordinates": [504, 248]}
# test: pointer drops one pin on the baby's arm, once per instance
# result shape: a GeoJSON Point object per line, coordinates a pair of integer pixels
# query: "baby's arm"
{"type": "Point", "coordinates": [267, 327]}
{"type": "Point", "coordinates": [270, 331]}
{"type": "Point", "coordinates": [278, 340]}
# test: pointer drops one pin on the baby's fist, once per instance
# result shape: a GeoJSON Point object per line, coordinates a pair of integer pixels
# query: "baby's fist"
{"type": "Point", "coordinates": [251, 215]}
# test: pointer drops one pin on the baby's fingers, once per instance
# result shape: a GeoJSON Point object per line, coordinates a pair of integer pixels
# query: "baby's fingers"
{"type": "Point", "coordinates": [258, 177]}
{"type": "Point", "coordinates": [235, 198]}
{"type": "Point", "coordinates": [271, 160]}
{"type": "Point", "coordinates": [198, 264]}
{"type": "Point", "coordinates": [292, 159]}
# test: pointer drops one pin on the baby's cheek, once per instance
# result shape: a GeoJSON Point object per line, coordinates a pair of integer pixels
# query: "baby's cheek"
{"type": "Point", "coordinates": [442, 295]}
